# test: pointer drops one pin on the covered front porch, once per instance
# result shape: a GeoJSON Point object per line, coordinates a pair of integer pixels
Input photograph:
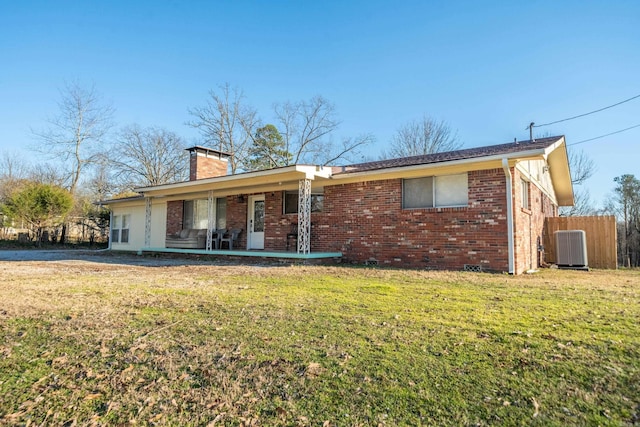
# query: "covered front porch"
{"type": "Point", "coordinates": [270, 213]}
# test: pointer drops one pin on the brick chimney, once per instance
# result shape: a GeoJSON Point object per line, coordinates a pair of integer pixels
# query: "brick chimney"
{"type": "Point", "coordinates": [207, 163]}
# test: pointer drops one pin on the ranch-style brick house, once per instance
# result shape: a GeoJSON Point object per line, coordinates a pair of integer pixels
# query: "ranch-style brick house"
{"type": "Point", "coordinates": [479, 209]}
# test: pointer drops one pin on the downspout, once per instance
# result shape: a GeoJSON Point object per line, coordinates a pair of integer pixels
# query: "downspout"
{"type": "Point", "coordinates": [110, 225]}
{"type": "Point", "coordinates": [507, 174]}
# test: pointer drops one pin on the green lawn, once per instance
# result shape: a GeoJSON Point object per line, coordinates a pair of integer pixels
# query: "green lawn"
{"type": "Point", "coordinates": [112, 344]}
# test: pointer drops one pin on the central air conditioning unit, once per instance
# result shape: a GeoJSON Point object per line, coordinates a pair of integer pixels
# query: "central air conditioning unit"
{"type": "Point", "coordinates": [571, 249]}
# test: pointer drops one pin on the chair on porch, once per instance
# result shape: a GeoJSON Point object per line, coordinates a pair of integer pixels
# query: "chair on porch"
{"type": "Point", "coordinates": [216, 236]}
{"type": "Point", "coordinates": [230, 237]}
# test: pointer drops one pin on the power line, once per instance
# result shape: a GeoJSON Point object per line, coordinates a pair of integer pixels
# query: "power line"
{"type": "Point", "coordinates": [590, 112]}
{"type": "Point", "coordinates": [602, 136]}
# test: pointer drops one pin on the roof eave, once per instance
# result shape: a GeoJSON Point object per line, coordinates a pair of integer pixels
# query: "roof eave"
{"type": "Point", "coordinates": [558, 161]}
{"type": "Point", "coordinates": [262, 178]}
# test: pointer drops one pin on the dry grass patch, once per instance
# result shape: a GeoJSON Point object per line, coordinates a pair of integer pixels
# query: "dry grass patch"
{"type": "Point", "coordinates": [99, 344]}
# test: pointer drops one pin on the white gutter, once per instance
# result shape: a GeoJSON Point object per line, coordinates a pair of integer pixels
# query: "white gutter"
{"type": "Point", "coordinates": [507, 174]}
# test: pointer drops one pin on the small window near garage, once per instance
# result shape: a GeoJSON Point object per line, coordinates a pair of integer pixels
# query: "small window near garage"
{"type": "Point", "coordinates": [291, 201]}
{"type": "Point", "coordinates": [435, 191]}
{"type": "Point", "coordinates": [524, 185]}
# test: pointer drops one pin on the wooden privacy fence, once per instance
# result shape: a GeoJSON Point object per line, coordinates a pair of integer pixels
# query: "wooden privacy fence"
{"type": "Point", "coordinates": [601, 237]}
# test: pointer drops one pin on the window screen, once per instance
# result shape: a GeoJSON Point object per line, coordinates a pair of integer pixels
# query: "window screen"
{"type": "Point", "coordinates": [452, 190]}
{"type": "Point", "coordinates": [417, 193]}
{"type": "Point", "coordinates": [438, 191]}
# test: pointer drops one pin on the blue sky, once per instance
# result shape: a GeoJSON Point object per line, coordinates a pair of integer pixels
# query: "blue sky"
{"type": "Point", "coordinates": [488, 68]}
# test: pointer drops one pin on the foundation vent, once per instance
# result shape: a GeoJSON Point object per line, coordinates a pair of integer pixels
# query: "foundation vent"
{"type": "Point", "coordinates": [473, 268]}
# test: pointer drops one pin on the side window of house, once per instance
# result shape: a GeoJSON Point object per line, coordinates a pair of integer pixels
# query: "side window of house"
{"type": "Point", "coordinates": [291, 202]}
{"type": "Point", "coordinates": [435, 191]}
{"type": "Point", "coordinates": [524, 185]}
{"type": "Point", "coordinates": [120, 229]}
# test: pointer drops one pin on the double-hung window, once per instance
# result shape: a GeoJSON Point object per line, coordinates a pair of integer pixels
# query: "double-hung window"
{"type": "Point", "coordinates": [120, 228]}
{"type": "Point", "coordinates": [435, 191]}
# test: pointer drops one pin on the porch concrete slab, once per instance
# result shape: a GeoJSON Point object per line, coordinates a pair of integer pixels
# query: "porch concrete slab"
{"type": "Point", "coordinates": [245, 253]}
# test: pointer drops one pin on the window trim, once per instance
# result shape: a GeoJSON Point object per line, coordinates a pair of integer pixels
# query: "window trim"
{"type": "Point", "coordinates": [525, 194]}
{"type": "Point", "coordinates": [121, 234]}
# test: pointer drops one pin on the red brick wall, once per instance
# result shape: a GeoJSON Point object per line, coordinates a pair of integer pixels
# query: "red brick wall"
{"type": "Point", "coordinates": [174, 217]}
{"type": "Point", "coordinates": [529, 224]}
{"type": "Point", "coordinates": [206, 166]}
{"type": "Point", "coordinates": [367, 223]}
{"type": "Point", "coordinates": [237, 218]}
{"type": "Point", "coordinates": [278, 225]}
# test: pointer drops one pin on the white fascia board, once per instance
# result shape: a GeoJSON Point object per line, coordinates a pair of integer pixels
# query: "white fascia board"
{"type": "Point", "coordinates": [133, 201]}
{"type": "Point", "coordinates": [554, 146]}
{"type": "Point", "coordinates": [266, 176]}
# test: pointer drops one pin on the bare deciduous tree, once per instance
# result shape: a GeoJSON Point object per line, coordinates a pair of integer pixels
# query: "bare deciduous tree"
{"type": "Point", "coordinates": [46, 173]}
{"type": "Point", "coordinates": [13, 169]}
{"type": "Point", "coordinates": [101, 185]}
{"type": "Point", "coordinates": [582, 204]}
{"type": "Point", "coordinates": [307, 128]}
{"type": "Point", "coordinates": [13, 166]}
{"type": "Point", "coordinates": [581, 166]}
{"type": "Point", "coordinates": [73, 137]}
{"type": "Point", "coordinates": [305, 125]}
{"type": "Point", "coordinates": [424, 136]}
{"type": "Point", "coordinates": [227, 124]}
{"type": "Point", "coordinates": [148, 156]}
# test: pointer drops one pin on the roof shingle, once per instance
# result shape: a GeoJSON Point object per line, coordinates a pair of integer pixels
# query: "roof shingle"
{"type": "Point", "coordinates": [469, 153]}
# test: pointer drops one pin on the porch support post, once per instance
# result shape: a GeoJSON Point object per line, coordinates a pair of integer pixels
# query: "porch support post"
{"type": "Point", "coordinates": [211, 220]}
{"type": "Point", "coordinates": [304, 216]}
{"type": "Point", "coordinates": [147, 222]}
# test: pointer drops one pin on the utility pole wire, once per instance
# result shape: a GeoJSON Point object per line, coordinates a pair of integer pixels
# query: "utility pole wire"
{"type": "Point", "coordinates": [591, 112]}
{"type": "Point", "coordinates": [602, 136]}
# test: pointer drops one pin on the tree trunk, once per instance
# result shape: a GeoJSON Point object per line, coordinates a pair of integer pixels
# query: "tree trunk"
{"type": "Point", "coordinates": [63, 234]}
